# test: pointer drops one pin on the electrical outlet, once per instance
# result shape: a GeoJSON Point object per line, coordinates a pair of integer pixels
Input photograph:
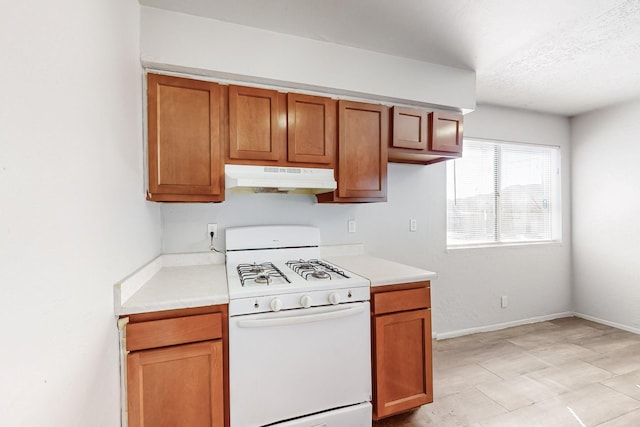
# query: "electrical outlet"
{"type": "Point", "coordinates": [351, 225]}
{"type": "Point", "coordinates": [210, 228]}
{"type": "Point", "coordinates": [413, 224]}
{"type": "Point", "coordinates": [504, 301]}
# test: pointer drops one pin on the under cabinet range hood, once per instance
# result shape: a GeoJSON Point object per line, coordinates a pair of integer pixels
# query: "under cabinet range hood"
{"type": "Point", "coordinates": [276, 179]}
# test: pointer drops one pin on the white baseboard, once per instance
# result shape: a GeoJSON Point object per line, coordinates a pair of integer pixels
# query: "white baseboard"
{"type": "Point", "coordinates": [608, 323]}
{"type": "Point", "coordinates": [495, 327]}
{"type": "Point", "coordinates": [498, 326]}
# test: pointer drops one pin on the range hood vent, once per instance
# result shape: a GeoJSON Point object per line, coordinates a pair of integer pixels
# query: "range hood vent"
{"type": "Point", "coordinates": [275, 179]}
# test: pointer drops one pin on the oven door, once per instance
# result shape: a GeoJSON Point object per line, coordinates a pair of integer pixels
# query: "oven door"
{"type": "Point", "coordinates": [295, 363]}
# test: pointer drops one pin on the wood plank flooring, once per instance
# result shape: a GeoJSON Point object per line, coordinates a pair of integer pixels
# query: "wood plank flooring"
{"type": "Point", "coordinates": [566, 372]}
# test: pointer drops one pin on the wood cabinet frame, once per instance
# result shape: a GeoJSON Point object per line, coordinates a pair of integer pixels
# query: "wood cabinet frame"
{"type": "Point", "coordinates": [311, 129]}
{"type": "Point", "coordinates": [249, 125]}
{"type": "Point", "coordinates": [158, 372]}
{"type": "Point", "coordinates": [363, 138]}
{"type": "Point", "coordinates": [178, 338]}
{"type": "Point", "coordinates": [447, 132]}
{"type": "Point", "coordinates": [184, 145]}
{"type": "Point", "coordinates": [424, 137]}
{"type": "Point", "coordinates": [410, 128]}
{"type": "Point", "coordinates": [257, 120]}
{"type": "Point", "coordinates": [267, 127]}
{"type": "Point", "coordinates": [402, 373]}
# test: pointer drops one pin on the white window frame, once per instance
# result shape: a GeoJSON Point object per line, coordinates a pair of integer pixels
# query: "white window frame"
{"type": "Point", "coordinates": [555, 199]}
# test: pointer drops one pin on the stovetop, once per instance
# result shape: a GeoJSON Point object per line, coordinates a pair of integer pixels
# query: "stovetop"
{"type": "Point", "coordinates": [263, 278]}
{"type": "Point", "coordinates": [273, 268]}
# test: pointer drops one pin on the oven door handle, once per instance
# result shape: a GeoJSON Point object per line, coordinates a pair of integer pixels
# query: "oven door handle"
{"type": "Point", "coordinates": [296, 320]}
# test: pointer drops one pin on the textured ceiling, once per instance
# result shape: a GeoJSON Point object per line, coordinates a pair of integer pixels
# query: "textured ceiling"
{"type": "Point", "coordinates": [557, 56]}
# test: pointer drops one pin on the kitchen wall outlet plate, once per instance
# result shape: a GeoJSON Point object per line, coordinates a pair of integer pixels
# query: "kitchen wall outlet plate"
{"type": "Point", "coordinates": [210, 228]}
{"type": "Point", "coordinates": [504, 301]}
{"type": "Point", "coordinates": [413, 224]}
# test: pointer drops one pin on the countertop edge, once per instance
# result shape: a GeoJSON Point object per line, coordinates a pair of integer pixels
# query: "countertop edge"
{"type": "Point", "coordinates": [174, 305]}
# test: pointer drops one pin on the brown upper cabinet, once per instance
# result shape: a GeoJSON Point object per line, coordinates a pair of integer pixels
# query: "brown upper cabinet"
{"type": "Point", "coordinates": [311, 124]}
{"type": "Point", "coordinates": [184, 140]}
{"type": "Point", "coordinates": [363, 137]}
{"type": "Point", "coordinates": [447, 133]}
{"type": "Point", "coordinates": [410, 128]}
{"type": "Point", "coordinates": [269, 127]}
{"type": "Point", "coordinates": [424, 137]}
{"type": "Point", "coordinates": [195, 127]}
{"type": "Point", "coordinates": [256, 124]}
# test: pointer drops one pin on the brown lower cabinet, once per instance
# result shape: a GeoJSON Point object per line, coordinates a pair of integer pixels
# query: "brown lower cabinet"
{"type": "Point", "coordinates": [177, 362]}
{"type": "Point", "coordinates": [176, 368]}
{"type": "Point", "coordinates": [402, 374]}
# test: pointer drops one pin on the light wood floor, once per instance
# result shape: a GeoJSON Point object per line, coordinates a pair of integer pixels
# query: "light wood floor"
{"type": "Point", "coordinates": [566, 372]}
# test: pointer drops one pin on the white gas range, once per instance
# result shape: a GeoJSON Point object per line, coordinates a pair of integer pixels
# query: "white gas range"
{"type": "Point", "coordinates": [299, 332]}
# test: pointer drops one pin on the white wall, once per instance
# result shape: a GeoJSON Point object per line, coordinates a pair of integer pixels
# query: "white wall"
{"type": "Point", "coordinates": [175, 41]}
{"type": "Point", "coordinates": [536, 278]}
{"type": "Point", "coordinates": [73, 219]}
{"type": "Point", "coordinates": [606, 212]}
{"type": "Point", "coordinates": [467, 293]}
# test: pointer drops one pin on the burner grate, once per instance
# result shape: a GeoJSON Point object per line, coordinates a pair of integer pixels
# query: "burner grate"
{"type": "Point", "coordinates": [315, 268]}
{"type": "Point", "coordinates": [262, 274]}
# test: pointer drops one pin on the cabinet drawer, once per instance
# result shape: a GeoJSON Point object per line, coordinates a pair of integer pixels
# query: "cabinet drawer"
{"type": "Point", "coordinates": [409, 299]}
{"type": "Point", "coordinates": [179, 330]}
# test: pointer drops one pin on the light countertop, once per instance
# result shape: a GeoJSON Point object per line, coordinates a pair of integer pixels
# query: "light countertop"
{"type": "Point", "coordinates": [175, 281]}
{"type": "Point", "coordinates": [171, 282]}
{"type": "Point", "coordinates": [381, 272]}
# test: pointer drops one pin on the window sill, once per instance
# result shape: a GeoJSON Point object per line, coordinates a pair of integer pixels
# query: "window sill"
{"type": "Point", "coordinates": [504, 245]}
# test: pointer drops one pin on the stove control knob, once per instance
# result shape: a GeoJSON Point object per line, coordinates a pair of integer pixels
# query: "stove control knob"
{"type": "Point", "coordinates": [334, 298]}
{"type": "Point", "coordinates": [276, 304]}
{"type": "Point", "coordinates": [305, 301]}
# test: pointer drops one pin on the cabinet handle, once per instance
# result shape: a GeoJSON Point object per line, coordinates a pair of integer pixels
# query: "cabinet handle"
{"type": "Point", "coordinates": [296, 320]}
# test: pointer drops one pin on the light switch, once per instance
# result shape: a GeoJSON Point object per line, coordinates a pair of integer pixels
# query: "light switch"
{"type": "Point", "coordinates": [351, 224]}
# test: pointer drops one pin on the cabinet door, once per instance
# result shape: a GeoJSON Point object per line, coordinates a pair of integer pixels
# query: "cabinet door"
{"type": "Point", "coordinates": [184, 145]}
{"type": "Point", "coordinates": [179, 386]}
{"type": "Point", "coordinates": [311, 129]}
{"type": "Point", "coordinates": [256, 124]}
{"type": "Point", "coordinates": [363, 137]}
{"type": "Point", "coordinates": [410, 128]}
{"type": "Point", "coordinates": [447, 132]}
{"type": "Point", "coordinates": [402, 361]}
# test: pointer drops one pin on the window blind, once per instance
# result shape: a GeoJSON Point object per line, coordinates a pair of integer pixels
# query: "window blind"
{"type": "Point", "coordinates": [502, 193]}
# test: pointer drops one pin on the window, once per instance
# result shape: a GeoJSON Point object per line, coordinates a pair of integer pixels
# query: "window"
{"type": "Point", "coordinates": [503, 193]}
